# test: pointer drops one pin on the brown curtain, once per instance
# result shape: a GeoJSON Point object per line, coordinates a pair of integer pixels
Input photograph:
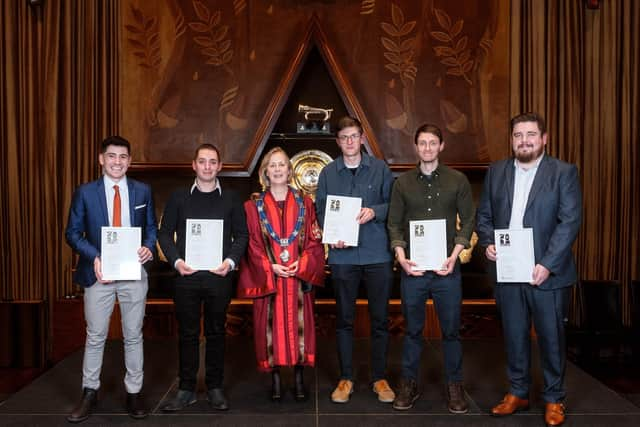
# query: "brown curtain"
{"type": "Point", "coordinates": [579, 67]}
{"type": "Point", "coordinates": [58, 99]}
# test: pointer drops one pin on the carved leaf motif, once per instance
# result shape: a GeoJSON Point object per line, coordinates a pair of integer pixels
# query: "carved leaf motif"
{"type": "Point", "coordinates": [150, 23]}
{"type": "Point", "coordinates": [133, 29]}
{"type": "Point", "coordinates": [201, 10]}
{"type": "Point", "coordinates": [443, 18]}
{"type": "Point", "coordinates": [179, 27]}
{"type": "Point", "coordinates": [228, 97]}
{"type": "Point", "coordinates": [449, 61]}
{"type": "Point", "coordinates": [203, 41]}
{"type": "Point", "coordinates": [214, 61]}
{"type": "Point", "coordinates": [227, 56]}
{"type": "Point", "coordinates": [135, 43]}
{"type": "Point", "coordinates": [393, 57]}
{"type": "Point", "coordinates": [389, 44]}
{"type": "Point", "coordinates": [454, 72]}
{"type": "Point", "coordinates": [406, 28]}
{"type": "Point", "coordinates": [409, 75]}
{"type": "Point", "coordinates": [389, 29]}
{"type": "Point", "coordinates": [461, 44]}
{"type": "Point", "coordinates": [215, 19]}
{"type": "Point", "coordinates": [211, 51]}
{"type": "Point", "coordinates": [137, 15]}
{"type": "Point", "coordinates": [198, 27]}
{"type": "Point", "coordinates": [367, 7]}
{"type": "Point", "coordinates": [396, 15]}
{"type": "Point", "coordinates": [464, 57]}
{"type": "Point", "coordinates": [220, 33]}
{"type": "Point", "coordinates": [224, 45]}
{"type": "Point", "coordinates": [467, 66]}
{"type": "Point", "coordinates": [440, 36]}
{"type": "Point", "coordinates": [154, 40]}
{"type": "Point", "coordinates": [444, 51]}
{"type": "Point", "coordinates": [393, 67]}
{"type": "Point", "coordinates": [407, 44]}
{"type": "Point", "coordinates": [406, 56]}
{"type": "Point", "coordinates": [457, 27]}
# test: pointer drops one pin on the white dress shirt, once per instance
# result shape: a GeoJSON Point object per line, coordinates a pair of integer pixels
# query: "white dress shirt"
{"type": "Point", "coordinates": [521, 189]}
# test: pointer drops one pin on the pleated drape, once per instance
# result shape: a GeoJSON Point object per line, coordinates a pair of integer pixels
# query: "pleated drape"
{"type": "Point", "coordinates": [579, 68]}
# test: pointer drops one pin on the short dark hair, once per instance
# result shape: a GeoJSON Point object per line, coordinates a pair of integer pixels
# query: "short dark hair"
{"type": "Point", "coordinates": [206, 146]}
{"type": "Point", "coordinates": [428, 128]}
{"type": "Point", "coordinates": [529, 117]}
{"type": "Point", "coordinates": [347, 122]}
{"type": "Point", "coordinates": [116, 140]}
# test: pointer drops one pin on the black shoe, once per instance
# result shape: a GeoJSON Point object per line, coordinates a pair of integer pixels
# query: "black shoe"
{"type": "Point", "coordinates": [134, 406]}
{"type": "Point", "coordinates": [300, 392]}
{"type": "Point", "coordinates": [82, 411]}
{"type": "Point", "coordinates": [276, 386]}
{"type": "Point", "coordinates": [182, 399]}
{"type": "Point", "coordinates": [407, 395]}
{"type": "Point", "coordinates": [457, 402]}
{"type": "Point", "coordinates": [217, 399]}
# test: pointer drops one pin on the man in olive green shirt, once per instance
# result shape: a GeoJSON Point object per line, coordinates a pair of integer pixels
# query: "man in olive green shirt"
{"type": "Point", "coordinates": [428, 192]}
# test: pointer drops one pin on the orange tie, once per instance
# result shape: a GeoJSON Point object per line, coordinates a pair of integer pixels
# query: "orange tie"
{"type": "Point", "coordinates": [117, 222]}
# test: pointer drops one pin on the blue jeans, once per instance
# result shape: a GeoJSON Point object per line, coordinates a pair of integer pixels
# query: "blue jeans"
{"type": "Point", "coordinates": [446, 292]}
{"type": "Point", "coordinates": [378, 279]}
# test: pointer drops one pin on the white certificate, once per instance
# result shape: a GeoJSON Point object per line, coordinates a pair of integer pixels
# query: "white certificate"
{"type": "Point", "coordinates": [204, 243]}
{"type": "Point", "coordinates": [119, 253]}
{"type": "Point", "coordinates": [428, 244]}
{"type": "Point", "coordinates": [340, 220]}
{"type": "Point", "coordinates": [514, 255]}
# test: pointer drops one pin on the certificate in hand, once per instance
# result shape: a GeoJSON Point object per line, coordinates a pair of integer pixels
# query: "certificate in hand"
{"type": "Point", "coordinates": [204, 243]}
{"type": "Point", "coordinates": [340, 220]}
{"type": "Point", "coordinates": [428, 244]}
{"type": "Point", "coordinates": [514, 255]}
{"type": "Point", "coordinates": [119, 253]}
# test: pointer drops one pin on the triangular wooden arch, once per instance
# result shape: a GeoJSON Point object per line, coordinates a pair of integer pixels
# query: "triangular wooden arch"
{"type": "Point", "coordinates": [314, 35]}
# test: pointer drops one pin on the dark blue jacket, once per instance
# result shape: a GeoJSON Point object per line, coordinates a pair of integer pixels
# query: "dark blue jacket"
{"type": "Point", "coordinates": [553, 210]}
{"type": "Point", "coordinates": [88, 214]}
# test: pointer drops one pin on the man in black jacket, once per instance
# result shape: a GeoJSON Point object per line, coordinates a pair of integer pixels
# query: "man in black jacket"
{"type": "Point", "coordinates": [203, 200]}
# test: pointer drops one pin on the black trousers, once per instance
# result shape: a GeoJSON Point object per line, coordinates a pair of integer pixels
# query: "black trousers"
{"type": "Point", "coordinates": [213, 294]}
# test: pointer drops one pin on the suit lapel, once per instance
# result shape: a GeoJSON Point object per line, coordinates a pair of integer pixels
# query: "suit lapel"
{"type": "Point", "coordinates": [102, 201]}
{"type": "Point", "coordinates": [538, 181]}
{"type": "Point", "coordinates": [132, 201]}
{"type": "Point", "coordinates": [509, 176]}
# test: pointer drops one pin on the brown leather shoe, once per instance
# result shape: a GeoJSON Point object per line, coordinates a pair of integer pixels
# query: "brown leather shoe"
{"type": "Point", "coordinates": [554, 414]}
{"type": "Point", "coordinates": [509, 405]}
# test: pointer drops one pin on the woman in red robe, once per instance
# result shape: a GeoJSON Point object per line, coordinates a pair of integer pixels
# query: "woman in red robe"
{"type": "Point", "coordinates": [284, 260]}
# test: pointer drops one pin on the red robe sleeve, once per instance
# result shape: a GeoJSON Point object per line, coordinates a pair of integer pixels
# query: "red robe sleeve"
{"type": "Point", "coordinates": [311, 262]}
{"type": "Point", "coordinates": [256, 278]}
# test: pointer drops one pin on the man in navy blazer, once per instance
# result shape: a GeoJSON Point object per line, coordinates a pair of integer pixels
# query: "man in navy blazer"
{"type": "Point", "coordinates": [534, 190]}
{"type": "Point", "coordinates": [113, 200]}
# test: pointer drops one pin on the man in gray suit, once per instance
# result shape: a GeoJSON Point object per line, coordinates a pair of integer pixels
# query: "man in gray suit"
{"type": "Point", "coordinates": [534, 190]}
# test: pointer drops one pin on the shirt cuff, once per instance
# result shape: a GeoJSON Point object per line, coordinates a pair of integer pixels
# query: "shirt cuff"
{"type": "Point", "coordinates": [231, 262]}
{"type": "Point", "coordinates": [462, 241]}
{"type": "Point", "coordinates": [176, 263]}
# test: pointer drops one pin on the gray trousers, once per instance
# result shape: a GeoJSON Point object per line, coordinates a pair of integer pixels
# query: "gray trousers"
{"type": "Point", "coordinates": [99, 300]}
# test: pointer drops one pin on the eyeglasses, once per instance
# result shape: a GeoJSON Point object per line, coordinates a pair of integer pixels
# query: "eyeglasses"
{"type": "Point", "coordinates": [352, 137]}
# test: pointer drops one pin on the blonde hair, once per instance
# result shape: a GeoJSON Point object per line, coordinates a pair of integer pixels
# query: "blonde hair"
{"type": "Point", "coordinates": [262, 172]}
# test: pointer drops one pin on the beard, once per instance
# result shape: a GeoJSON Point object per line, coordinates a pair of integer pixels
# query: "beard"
{"type": "Point", "coordinates": [528, 156]}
